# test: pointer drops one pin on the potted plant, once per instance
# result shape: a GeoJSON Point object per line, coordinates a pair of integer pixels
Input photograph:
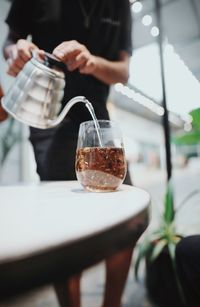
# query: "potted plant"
{"type": "Point", "coordinates": [158, 250]}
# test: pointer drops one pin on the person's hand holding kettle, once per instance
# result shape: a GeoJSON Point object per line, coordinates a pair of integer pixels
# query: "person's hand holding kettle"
{"type": "Point", "coordinates": [19, 54]}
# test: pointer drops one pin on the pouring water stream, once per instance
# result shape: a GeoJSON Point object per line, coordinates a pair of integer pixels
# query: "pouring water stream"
{"type": "Point", "coordinates": [68, 106]}
{"type": "Point", "coordinates": [92, 113]}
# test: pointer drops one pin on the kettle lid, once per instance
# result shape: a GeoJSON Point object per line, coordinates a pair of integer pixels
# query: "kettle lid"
{"type": "Point", "coordinates": [51, 61]}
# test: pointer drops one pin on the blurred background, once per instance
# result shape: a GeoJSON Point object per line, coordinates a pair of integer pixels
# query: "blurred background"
{"type": "Point", "coordinates": [140, 101]}
{"type": "Point", "coordinates": [138, 107]}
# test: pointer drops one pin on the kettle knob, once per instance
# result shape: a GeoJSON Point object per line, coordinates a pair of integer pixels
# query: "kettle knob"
{"type": "Point", "coordinates": [51, 61]}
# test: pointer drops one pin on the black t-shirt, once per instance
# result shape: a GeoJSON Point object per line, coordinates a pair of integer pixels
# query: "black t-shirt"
{"type": "Point", "coordinates": [51, 22]}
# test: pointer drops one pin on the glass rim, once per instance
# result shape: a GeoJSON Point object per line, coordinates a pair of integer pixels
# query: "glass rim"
{"type": "Point", "coordinates": [99, 121]}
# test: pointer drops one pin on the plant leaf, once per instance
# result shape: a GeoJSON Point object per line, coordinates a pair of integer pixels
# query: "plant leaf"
{"type": "Point", "coordinates": [143, 249]}
{"type": "Point", "coordinates": [172, 253]}
{"type": "Point", "coordinates": [169, 212]}
{"type": "Point", "coordinates": [158, 249]}
{"type": "Point", "coordinates": [195, 113]}
{"type": "Point", "coordinates": [171, 248]}
{"type": "Point", "coordinates": [157, 235]}
{"type": "Point", "coordinates": [187, 138]}
{"type": "Point", "coordinates": [9, 136]}
{"type": "Point", "coordinates": [188, 197]}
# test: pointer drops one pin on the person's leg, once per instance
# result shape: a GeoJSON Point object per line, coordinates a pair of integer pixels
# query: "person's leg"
{"type": "Point", "coordinates": [68, 293]}
{"type": "Point", "coordinates": [117, 268]}
{"type": "Point", "coordinates": [188, 267]}
{"type": "Point", "coordinates": [127, 179]}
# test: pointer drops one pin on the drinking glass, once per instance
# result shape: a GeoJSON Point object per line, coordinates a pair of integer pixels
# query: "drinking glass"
{"type": "Point", "coordinates": [100, 159]}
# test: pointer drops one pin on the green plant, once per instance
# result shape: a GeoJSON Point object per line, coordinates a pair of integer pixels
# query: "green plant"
{"type": "Point", "coordinates": [165, 236]}
{"type": "Point", "coordinates": [9, 136]}
{"type": "Point", "coordinates": [191, 137]}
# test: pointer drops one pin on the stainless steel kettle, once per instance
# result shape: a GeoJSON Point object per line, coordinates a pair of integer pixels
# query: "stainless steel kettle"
{"type": "Point", "coordinates": [35, 96]}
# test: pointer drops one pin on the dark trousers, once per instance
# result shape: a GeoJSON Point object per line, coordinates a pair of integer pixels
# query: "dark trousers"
{"type": "Point", "coordinates": [188, 267]}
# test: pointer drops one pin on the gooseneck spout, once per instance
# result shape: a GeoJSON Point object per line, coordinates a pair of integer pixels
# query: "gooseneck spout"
{"type": "Point", "coordinates": [70, 103]}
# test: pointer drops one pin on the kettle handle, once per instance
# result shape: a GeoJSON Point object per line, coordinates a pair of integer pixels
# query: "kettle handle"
{"type": "Point", "coordinates": [50, 60]}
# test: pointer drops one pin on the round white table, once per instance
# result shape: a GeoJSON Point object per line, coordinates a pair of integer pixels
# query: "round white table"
{"type": "Point", "coordinates": [53, 230]}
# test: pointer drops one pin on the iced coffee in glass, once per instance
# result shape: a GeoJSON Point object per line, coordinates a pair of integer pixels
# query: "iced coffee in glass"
{"type": "Point", "coordinates": [100, 158]}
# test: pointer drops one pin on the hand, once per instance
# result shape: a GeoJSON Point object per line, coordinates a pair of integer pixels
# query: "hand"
{"type": "Point", "coordinates": [19, 54]}
{"type": "Point", "coordinates": [76, 56]}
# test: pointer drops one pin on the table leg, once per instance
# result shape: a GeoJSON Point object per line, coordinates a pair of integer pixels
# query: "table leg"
{"type": "Point", "coordinates": [117, 267]}
{"type": "Point", "coordinates": [68, 293]}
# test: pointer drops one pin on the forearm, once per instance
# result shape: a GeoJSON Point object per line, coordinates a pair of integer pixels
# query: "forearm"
{"type": "Point", "coordinates": [77, 56]}
{"type": "Point", "coordinates": [111, 72]}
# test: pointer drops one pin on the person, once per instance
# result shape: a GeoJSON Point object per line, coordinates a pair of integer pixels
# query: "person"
{"type": "Point", "coordinates": [3, 113]}
{"type": "Point", "coordinates": [188, 268]}
{"type": "Point", "coordinates": [93, 39]}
